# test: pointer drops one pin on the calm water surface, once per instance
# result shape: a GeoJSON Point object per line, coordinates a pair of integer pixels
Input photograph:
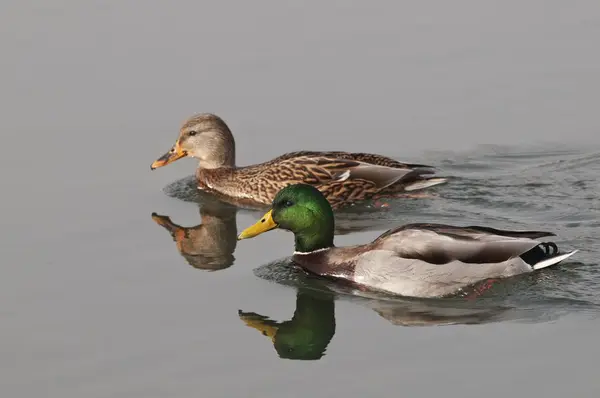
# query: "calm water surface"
{"type": "Point", "coordinates": [122, 282]}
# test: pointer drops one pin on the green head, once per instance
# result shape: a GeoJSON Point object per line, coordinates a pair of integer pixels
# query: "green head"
{"type": "Point", "coordinates": [302, 209]}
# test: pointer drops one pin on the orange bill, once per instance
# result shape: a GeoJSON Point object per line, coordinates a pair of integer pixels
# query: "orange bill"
{"type": "Point", "coordinates": [174, 154]}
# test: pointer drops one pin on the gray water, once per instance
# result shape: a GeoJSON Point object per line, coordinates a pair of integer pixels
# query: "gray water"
{"type": "Point", "coordinates": [97, 299]}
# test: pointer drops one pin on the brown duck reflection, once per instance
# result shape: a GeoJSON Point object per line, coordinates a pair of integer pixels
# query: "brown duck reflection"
{"type": "Point", "coordinates": [308, 333]}
{"type": "Point", "coordinates": [209, 245]}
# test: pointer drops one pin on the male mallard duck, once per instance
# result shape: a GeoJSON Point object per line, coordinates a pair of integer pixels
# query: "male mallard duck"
{"type": "Point", "coordinates": [341, 176]}
{"type": "Point", "coordinates": [419, 260]}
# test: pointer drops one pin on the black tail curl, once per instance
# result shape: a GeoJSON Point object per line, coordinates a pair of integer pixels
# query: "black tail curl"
{"type": "Point", "coordinates": [539, 253]}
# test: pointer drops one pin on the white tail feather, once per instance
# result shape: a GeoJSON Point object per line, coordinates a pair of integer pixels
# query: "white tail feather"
{"type": "Point", "coordinates": [425, 184]}
{"type": "Point", "coordinates": [553, 260]}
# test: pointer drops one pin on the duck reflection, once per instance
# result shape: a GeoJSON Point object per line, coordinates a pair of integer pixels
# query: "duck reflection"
{"type": "Point", "coordinates": [308, 333]}
{"type": "Point", "coordinates": [417, 313]}
{"type": "Point", "coordinates": [209, 245]}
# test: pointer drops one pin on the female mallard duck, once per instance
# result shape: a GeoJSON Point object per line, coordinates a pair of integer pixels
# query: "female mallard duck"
{"type": "Point", "coordinates": [341, 176]}
{"type": "Point", "coordinates": [419, 260]}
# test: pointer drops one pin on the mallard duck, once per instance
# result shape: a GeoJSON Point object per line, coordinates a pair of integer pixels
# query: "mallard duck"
{"type": "Point", "coordinates": [418, 260]}
{"type": "Point", "coordinates": [342, 177]}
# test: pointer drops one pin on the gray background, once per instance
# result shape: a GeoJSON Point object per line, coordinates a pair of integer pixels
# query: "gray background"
{"type": "Point", "coordinates": [97, 302]}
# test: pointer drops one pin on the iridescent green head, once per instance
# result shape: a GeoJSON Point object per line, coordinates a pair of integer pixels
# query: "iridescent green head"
{"type": "Point", "coordinates": [303, 210]}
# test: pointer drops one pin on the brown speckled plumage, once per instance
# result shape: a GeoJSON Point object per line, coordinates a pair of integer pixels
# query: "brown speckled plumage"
{"type": "Point", "coordinates": [341, 176]}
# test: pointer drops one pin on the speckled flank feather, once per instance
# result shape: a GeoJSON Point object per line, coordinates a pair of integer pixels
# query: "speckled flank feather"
{"type": "Point", "coordinates": [342, 177]}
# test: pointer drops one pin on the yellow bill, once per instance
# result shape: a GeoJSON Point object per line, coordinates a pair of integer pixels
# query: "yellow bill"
{"type": "Point", "coordinates": [265, 224]}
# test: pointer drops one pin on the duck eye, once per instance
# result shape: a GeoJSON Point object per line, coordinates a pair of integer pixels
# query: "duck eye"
{"type": "Point", "coordinates": [288, 203]}
{"type": "Point", "coordinates": [192, 133]}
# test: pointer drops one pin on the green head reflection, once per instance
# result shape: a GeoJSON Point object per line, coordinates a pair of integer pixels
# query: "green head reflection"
{"type": "Point", "coordinates": [307, 334]}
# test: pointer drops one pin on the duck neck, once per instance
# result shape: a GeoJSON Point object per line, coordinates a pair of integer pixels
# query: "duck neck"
{"type": "Point", "coordinates": [212, 164]}
{"type": "Point", "coordinates": [318, 237]}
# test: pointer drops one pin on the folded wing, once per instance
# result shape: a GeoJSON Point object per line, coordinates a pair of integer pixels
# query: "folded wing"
{"type": "Point", "coordinates": [332, 167]}
{"type": "Point", "coordinates": [441, 244]}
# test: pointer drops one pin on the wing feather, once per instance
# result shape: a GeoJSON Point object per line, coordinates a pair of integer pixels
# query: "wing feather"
{"type": "Point", "coordinates": [329, 169]}
{"type": "Point", "coordinates": [442, 244]}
